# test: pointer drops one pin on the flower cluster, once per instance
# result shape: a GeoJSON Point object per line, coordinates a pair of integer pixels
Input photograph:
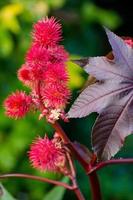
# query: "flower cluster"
{"type": "Point", "coordinates": [47, 155]}
{"type": "Point", "coordinates": [44, 72]}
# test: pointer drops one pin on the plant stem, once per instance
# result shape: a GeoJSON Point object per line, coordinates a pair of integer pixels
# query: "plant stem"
{"type": "Point", "coordinates": [61, 132]}
{"type": "Point", "coordinates": [71, 164]}
{"type": "Point", "coordinates": [78, 194]}
{"type": "Point", "coordinates": [77, 191]}
{"type": "Point", "coordinates": [67, 141]}
{"type": "Point", "coordinates": [27, 176]}
{"type": "Point", "coordinates": [111, 162]}
{"type": "Point", "coordinates": [95, 186]}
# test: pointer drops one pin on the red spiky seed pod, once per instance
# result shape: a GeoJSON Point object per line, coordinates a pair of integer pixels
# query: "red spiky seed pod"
{"type": "Point", "coordinates": [46, 155]}
{"type": "Point", "coordinates": [47, 32]}
{"type": "Point", "coordinates": [17, 104]}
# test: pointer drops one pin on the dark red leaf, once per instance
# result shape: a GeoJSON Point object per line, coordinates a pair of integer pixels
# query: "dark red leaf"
{"type": "Point", "coordinates": [112, 98]}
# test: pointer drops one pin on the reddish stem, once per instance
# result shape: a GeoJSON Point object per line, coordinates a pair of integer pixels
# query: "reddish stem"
{"type": "Point", "coordinates": [67, 141]}
{"type": "Point", "coordinates": [95, 186]}
{"type": "Point", "coordinates": [71, 164]}
{"type": "Point", "coordinates": [73, 178]}
{"type": "Point", "coordinates": [27, 176]}
{"type": "Point", "coordinates": [61, 132]}
{"type": "Point", "coordinates": [79, 194]}
{"type": "Point", "coordinates": [111, 162]}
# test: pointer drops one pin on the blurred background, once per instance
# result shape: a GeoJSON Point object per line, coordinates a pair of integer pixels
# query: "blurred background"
{"type": "Point", "coordinates": [83, 34]}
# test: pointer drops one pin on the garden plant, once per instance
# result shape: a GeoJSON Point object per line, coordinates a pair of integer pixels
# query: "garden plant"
{"type": "Point", "coordinates": [108, 92]}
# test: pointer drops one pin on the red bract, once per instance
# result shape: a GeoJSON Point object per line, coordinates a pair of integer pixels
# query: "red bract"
{"type": "Point", "coordinates": [47, 32]}
{"type": "Point", "coordinates": [17, 104]}
{"type": "Point", "coordinates": [45, 154]}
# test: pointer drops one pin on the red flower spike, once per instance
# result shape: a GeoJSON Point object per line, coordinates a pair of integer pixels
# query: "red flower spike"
{"type": "Point", "coordinates": [17, 104]}
{"type": "Point", "coordinates": [47, 32]}
{"type": "Point", "coordinates": [46, 155]}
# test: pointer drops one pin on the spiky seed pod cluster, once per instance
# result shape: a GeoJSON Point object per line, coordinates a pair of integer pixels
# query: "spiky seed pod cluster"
{"type": "Point", "coordinates": [44, 72]}
{"type": "Point", "coordinates": [47, 155]}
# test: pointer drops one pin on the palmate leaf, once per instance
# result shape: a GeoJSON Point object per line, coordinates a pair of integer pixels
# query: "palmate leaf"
{"type": "Point", "coordinates": [111, 97]}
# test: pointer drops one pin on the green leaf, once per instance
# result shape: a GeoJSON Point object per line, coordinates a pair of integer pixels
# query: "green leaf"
{"type": "Point", "coordinates": [57, 192]}
{"type": "Point", "coordinates": [4, 195]}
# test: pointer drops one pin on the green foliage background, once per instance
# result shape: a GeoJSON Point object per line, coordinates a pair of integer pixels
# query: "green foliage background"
{"type": "Point", "coordinates": [83, 36]}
